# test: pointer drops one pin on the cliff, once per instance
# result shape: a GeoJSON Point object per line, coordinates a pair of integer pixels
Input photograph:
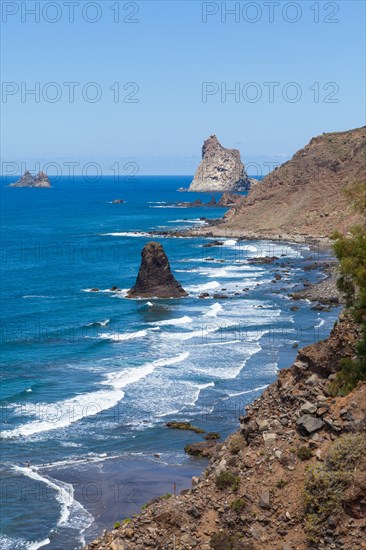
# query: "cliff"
{"type": "Point", "coordinates": [306, 195]}
{"type": "Point", "coordinates": [220, 170]}
{"type": "Point", "coordinates": [27, 180]}
{"type": "Point", "coordinates": [292, 476]}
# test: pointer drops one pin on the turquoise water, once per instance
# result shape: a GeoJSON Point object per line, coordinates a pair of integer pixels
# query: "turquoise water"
{"type": "Point", "coordinates": [89, 379]}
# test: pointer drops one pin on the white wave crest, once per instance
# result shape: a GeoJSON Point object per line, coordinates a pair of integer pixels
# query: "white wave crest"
{"type": "Point", "coordinates": [214, 310]}
{"type": "Point", "coordinates": [122, 336]}
{"type": "Point", "coordinates": [174, 322]}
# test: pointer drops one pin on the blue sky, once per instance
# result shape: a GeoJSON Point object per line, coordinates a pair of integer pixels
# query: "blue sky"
{"type": "Point", "coordinates": [310, 49]}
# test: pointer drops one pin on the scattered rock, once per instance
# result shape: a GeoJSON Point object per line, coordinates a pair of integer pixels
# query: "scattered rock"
{"type": "Point", "coordinates": [264, 501]}
{"type": "Point", "coordinates": [308, 424]}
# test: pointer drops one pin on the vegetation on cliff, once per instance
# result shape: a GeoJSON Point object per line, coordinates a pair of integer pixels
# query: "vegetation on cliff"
{"type": "Point", "coordinates": [350, 250]}
{"type": "Point", "coordinates": [327, 484]}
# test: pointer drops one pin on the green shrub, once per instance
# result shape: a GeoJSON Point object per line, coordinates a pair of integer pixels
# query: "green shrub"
{"type": "Point", "coordinates": [117, 524]}
{"type": "Point", "coordinates": [236, 443]}
{"type": "Point", "coordinates": [350, 250]}
{"type": "Point", "coordinates": [325, 484]}
{"type": "Point", "coordinates": [351, 370]}
{"type": "Point", "coordinates": [227, 479]}
{"type": "Point", "coordinates": [304, 453]}
{"type": "Point", "coordinates": [281, 483]}
{"type": "Point", "coordinates": [238, 504]}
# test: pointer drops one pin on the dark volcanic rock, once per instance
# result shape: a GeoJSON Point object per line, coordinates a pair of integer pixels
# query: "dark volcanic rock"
{"type": "Point", "coordinates": [263, 260]}
{"type": "Point", "coordinates": [155, 278]}
{"type": "Point", "coordinates": [202, 448]}
{"type": "Point", "coordinates": [213, 243]}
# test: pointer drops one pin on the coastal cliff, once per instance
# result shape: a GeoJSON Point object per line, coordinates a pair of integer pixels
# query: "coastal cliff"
{"type": "Point", "coordinates": [220, 170]}
{"type": "Point", "coordinates": [304, 197]}
{"type": "Point", "coordinates": [292, 476]}
{"type": "Point", "coordinates": [27, 180]}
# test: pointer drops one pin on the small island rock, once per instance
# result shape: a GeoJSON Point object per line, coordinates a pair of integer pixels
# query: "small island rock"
{"type": "Point", "coordinates": [155, 278]}
{"type": "Point", "coordinates": [27, 180]}
{"type": "Point", "coordinates": [220, 170]}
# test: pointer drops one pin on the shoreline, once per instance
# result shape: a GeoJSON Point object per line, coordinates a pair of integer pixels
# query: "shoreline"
{"type": "Point", "coordinates": [217, 228]}
{"type": "Point", "coordinates": [317, 289]}
{"type": "Point", "coordinates": [262, 466]}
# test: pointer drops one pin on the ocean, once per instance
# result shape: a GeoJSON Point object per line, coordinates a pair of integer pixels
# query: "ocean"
{"type": "Point", "coordinates": [89, 379]}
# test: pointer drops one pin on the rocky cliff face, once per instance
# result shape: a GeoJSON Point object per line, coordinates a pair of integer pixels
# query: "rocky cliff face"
{"type": "Point", "coordinates": [220, 170]}
{"type": "Point", "coordinates": [27, 180]}
{"type": "Point", "coordinates": [304, 196]}
{"type": "Point", "coordinates": [155, 278]}
{"type": "Point", "coordinates": [292, 477]}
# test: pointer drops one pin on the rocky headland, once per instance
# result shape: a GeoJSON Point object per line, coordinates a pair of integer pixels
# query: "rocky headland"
{"type": "Point", "coordinates": [27, 180]}
{"type": "Point", "coordinates": [293, 476]}
{"type": "Point", "coordinates": [221, 169]}
{"type": "Point", "coordinates": [155, 277]}
{"type": "Point", "coordinates": [305, 198]}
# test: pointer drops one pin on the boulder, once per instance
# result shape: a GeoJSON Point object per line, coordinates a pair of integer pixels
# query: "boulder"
{"type": "Point", "coordinates": [202, 448]}
{"type": "Point", "coordinates": [308, 408]}
{"type": "Point", "coordinates": [308, 424]}
{"type": "Point", "coordinates": [155, 278]}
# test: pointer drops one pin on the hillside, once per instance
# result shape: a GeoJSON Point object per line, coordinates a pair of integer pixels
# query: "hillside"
{"type": "Point", "coordinates": [304, 196]}
{"type": "Point", "coordinates": [293, 475]}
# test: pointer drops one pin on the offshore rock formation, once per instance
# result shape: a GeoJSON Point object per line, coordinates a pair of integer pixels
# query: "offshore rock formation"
{"type": "Point", "coordinates": [226, 201]}
{"type": "Point", "coordinates": [155, 278]}
{"type": "Point", "coordinates": [304, 196]}
{"type": "Point", "coordinates": [220, 170]}
{"type": "Point", "coordinates": [27, 180]}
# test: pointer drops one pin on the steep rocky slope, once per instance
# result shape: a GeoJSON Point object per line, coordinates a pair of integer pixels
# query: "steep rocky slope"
{"type": "Point", "coordinates": [292, 477]}
{"type": "Point", "coordinates": [304, 196]}
{"type": "Point", "coordinates": [220, 170]}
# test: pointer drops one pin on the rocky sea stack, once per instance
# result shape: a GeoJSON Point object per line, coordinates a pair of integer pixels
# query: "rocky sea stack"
{"type": "Point", "coordinates": [220, 170]}
{"type": "Point", "coordinates": [27, 180]}
{"type": "Point", "coordinates": [155, 278]}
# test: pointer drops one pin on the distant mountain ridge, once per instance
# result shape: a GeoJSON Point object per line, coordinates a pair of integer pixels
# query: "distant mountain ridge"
{"type": "Point", "coordinates": [305, 195]}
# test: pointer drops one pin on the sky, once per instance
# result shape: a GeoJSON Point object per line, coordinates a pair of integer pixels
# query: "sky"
{"type": "Point", "coordinates": [119, 84]}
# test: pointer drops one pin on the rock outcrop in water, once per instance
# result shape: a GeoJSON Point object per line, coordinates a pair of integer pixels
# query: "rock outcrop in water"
{"type": "Point", "coordinates": [155, 278]}
{"type": "Point", "coordinates": [220, 170]}
{"type": "Point", "coordinates": [27, 180]}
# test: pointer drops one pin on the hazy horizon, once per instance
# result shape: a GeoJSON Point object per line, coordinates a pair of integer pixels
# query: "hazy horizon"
{"type": "Point", "coordinates": [148, 82]}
